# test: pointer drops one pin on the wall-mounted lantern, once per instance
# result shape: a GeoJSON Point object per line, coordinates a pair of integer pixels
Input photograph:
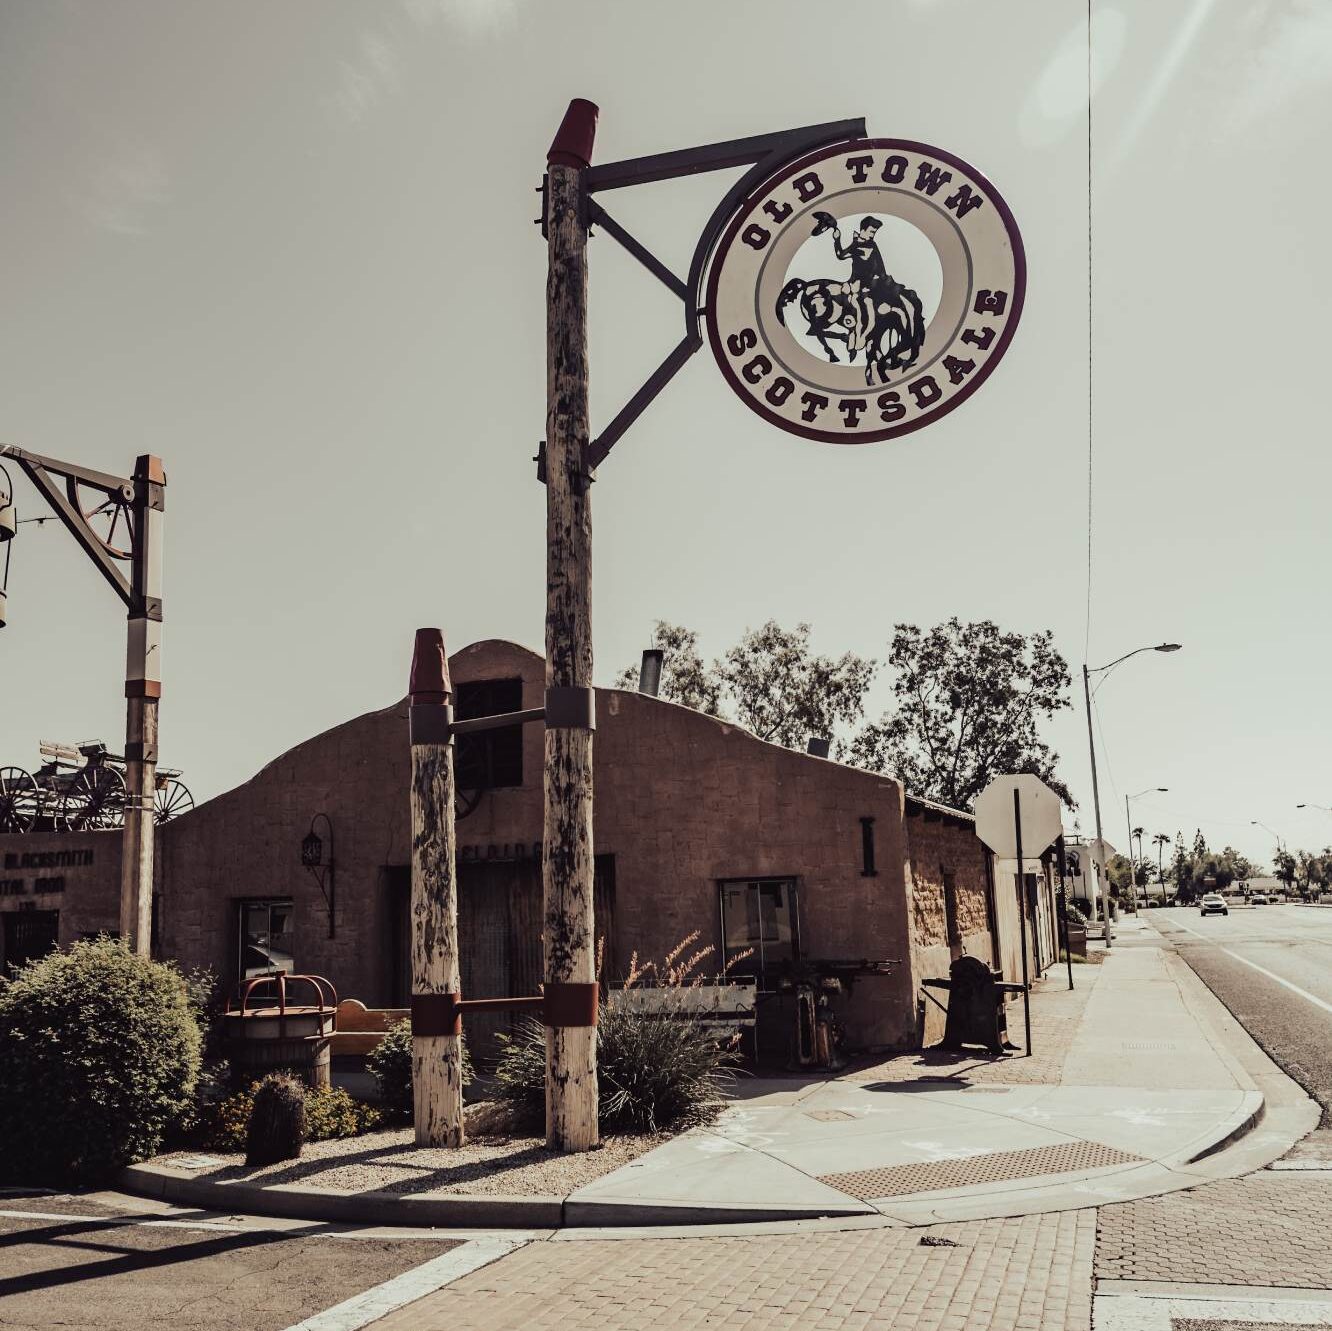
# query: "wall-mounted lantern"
{"type": "Point", "coordinates": [321, 870]}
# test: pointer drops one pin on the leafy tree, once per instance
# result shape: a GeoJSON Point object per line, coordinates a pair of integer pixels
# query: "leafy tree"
{"type": "Point", "coordinates": [684, 677]}
{"type": "Point", "coordinates": [784, 693]}
{"type": "Point", "coordinates": [969, 701]}
{"type": "Point", "coordinates": [770, 682]}
{"type": "Point", "coordinates": [1286, 868]}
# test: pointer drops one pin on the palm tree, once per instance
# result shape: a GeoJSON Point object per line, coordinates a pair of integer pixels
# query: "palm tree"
{"type": "Point", "coordinates": [1160, 841]}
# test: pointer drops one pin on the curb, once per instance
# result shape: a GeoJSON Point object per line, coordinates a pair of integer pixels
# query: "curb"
{"type": "Point", "coordinates": [398, 1209]}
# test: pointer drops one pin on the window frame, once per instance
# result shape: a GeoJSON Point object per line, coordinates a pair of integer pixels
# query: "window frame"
{"type": "Point", "coordinates": [243, 906]}
{"type": "Point", "coordinates": [762, 969]}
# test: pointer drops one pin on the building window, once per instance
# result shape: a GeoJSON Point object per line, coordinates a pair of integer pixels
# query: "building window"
{"type": "Point", "coordinates": [489, 758]}
{"type": "Point", "coordinates": [266, 940]}
{"type": "Point", "coordinates": [760, 915]}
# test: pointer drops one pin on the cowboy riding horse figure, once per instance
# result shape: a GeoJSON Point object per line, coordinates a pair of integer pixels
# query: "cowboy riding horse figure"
{"type": "Point", "coordinates": [870, 312]}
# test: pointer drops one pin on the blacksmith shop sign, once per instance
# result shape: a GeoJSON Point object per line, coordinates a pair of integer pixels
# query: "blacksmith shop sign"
{"type": "Point", "coordinates": [865, 290]}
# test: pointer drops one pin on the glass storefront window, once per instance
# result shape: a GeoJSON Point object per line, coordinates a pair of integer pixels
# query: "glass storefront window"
{"type": "Point", "coordinates": [266, 938]}
{"type": "Point", "coordinates": [759, 915]}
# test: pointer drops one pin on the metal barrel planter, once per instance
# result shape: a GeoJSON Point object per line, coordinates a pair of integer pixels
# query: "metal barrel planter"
{"type": "Point", "coordinates": [265, 1032]}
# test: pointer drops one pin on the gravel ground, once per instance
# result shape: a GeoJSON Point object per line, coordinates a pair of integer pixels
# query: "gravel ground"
{"type": "Point", "coordinates": [390, 1161]}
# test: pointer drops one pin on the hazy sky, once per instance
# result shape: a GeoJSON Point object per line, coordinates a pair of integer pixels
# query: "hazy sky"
{"type": "Point", "coordinates": [289, 247]}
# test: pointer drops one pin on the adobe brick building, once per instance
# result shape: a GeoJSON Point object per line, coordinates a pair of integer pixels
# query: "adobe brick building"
{"type": "Point", "coordinates": [700, 827]}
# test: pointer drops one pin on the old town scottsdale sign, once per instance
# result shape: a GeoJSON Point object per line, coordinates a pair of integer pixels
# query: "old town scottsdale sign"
{"type": "Point", "coordinates": [865, 290]}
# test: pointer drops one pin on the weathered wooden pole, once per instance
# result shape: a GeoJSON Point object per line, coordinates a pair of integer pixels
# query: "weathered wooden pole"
{"type": "Point", "coordinates": [143, 689]}
{"type": "Point", "coordinates": [437, 1100]}
{"type": "Point", "coordinates": [567, 866]}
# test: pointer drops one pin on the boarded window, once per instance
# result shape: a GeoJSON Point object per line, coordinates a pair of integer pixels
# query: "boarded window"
{"type": "Point", "coordinates": [490, 758]}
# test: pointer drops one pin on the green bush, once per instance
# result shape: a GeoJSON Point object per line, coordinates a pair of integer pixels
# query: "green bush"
{"type": "Point", "coordinates": [99, 1053]}
{"type": "Point", "coordinates": [329, 1113]}
{"type": "Point", "coordinates": [391, 1066]}
{"type": "Point", "coordinates": [654, 1072]}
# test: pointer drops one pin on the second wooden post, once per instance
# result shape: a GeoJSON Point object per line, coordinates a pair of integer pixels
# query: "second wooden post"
{"type": "Point", "coordinates": [567, 864]}
{"type": "Point", "coordinates": [437, 1089]}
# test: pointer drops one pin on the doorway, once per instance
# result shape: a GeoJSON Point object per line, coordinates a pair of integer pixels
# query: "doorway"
{"type": "Point", "coordinates": [29, 934]}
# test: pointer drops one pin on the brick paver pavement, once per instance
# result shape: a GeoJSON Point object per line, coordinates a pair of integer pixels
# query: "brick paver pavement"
{"type": "Point", "coordinates": [1027, 1274]}
{"type": "Point", "coordinates": [1268, 1228]}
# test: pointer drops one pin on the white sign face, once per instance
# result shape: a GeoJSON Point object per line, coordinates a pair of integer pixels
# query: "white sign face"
{"type": "Point", "coordinates": [1042, 822]}
{"type": "Point", "coordinates": [866, 290]}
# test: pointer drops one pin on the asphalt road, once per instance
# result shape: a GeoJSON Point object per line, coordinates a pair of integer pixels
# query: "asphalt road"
{"type": "Point", "coordinates": [117, 1263]}
{"type": "Point", "coordinates": [1272, 967]}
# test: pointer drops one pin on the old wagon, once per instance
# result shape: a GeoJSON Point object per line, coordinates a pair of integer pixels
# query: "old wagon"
{"type": "Point", "coordinates": [80, 788]}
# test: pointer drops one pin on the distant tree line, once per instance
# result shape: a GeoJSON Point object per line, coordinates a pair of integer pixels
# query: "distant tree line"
{"type": "Point", "coordinates": [969, 700]}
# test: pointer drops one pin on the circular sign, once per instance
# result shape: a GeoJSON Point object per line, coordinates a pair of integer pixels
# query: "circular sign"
{"type": "Point", "coordinates": [865, 290]}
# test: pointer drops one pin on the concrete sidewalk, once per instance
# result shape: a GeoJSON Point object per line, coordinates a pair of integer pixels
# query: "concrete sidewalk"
{"type": "Point", "coordinates": [1136, 1086]}
{"type": "Point", "coordinates": [1138, 1078]}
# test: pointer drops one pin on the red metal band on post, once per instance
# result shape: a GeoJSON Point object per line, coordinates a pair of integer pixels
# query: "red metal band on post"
{"type": "Point", "coordinates": [436, 1014]}
{"type": "Point", "coordinates": [429, 681]}
{"type": "Point", "coordinates": [574, 138]}
{"type": "Point", "coordinates": [430, 724]}
{"type": "Point", "coordinates": [571, 708]}
{"type": "Point", "coordinates": [143, 688]}
{"type": "Point", "coordinates": [568, 1004]}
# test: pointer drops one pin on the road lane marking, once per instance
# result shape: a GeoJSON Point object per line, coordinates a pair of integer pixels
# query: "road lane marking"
{"type": "Point", "coordinates": [1262, 970]}
{"type": "Point", "coordinates": [370, 1306]}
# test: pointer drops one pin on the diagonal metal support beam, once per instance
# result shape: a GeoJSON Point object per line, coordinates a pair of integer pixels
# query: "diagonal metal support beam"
{"type": "Point", "coordinates": [634, 408]}
{"type": "Point", "coordinates": [74, 521]}
{"type": "Point", "coordinates": [598, 216]}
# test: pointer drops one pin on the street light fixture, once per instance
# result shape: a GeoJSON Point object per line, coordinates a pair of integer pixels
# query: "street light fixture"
{"type": "Point", "coordinates": [1087, 673]}
{"type": "Point", "coordinates": [1324, 807]}
{"type": "Point", "coordinates": [1281, 844]}
{"type": "Point", "coordinates": [1128, 820]}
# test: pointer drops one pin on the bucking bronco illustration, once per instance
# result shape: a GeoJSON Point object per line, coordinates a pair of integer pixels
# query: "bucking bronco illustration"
{"type": "Point", "coordinates": [870, 312]}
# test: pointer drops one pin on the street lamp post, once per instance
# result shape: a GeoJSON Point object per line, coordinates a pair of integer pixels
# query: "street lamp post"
{"type": "Point", "coordinates": [1087, 673]}
{"type": "Point", "coordinates": [1325, 808]}
{"type": "Point", "coordinates": [1128, 821]}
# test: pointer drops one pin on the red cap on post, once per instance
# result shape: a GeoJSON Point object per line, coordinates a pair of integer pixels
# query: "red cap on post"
{"type": "Point", "coordinates": [429, 681]}
{"type": "Point", "coordinates": [573, 140]}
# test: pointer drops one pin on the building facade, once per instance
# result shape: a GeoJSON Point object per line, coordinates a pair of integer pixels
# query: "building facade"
{"type": "Point", "coordinates": [775, 859]}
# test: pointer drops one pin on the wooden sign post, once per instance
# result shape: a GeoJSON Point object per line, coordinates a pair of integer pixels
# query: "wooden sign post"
{"type": "Point", "coordinates": [437, 1100]}
{"type": "Point", "coordinates": [569, 941]}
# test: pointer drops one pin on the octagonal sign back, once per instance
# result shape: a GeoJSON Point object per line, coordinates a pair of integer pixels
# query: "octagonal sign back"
{"type": "Point", "coordinates": [1042, 819]}
{"type": "Point", "coordinates": [866, 290]}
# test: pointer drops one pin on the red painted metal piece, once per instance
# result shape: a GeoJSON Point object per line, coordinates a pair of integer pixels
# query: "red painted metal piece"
{"type": "Point", "coordinates": [560, 1005]}
{"type": "Point", "coordinates": [573, 140]}
{"type": "Point", "coordinates": [429, 682]}
{"type": "Point", "coordinates": [323, 1011]}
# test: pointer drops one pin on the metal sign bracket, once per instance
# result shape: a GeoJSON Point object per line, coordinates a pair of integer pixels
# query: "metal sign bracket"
{"type": "Point", "coordinates": [764, 154]}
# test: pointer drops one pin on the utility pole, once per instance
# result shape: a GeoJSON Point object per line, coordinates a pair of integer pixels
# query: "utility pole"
{"type": "Point", "coordinates": [437, 1091]}
{"type": "Point", "coordinates": [1099, 857]}
{"type": "Point", "coordinates": [567, 858]}
{"type": "Point", "coordinates": [143, 690]}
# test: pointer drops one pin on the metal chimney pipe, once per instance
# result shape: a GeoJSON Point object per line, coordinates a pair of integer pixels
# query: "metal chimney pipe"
{"type": "Point", "coordinates": [649, 673]}
{"type": "Point", "coordinates": [818, 746]}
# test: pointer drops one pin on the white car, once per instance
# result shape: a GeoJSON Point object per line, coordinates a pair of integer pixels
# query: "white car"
{"type": "Point", "coordinates": [1259, 899]}
{"type": "Point", "coordinates": [1214, 904]}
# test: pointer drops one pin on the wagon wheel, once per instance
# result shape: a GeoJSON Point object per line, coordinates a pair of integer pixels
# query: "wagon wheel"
{"type": "Point", "coordinates": [94, 799]}
{"type": "Point", "coordinates": [20, 800]}
{"type": "Point", "coordinates": [109, 516]}
{"type": "Point", "coordinates": [172, 799]}
{"type": "Point", "coordinates": [465, 802]}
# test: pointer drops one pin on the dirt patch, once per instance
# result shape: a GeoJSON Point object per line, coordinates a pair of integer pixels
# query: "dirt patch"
{"type": "Point", "coordinates": [490, 1164]}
